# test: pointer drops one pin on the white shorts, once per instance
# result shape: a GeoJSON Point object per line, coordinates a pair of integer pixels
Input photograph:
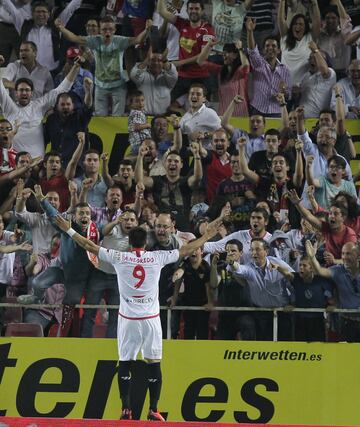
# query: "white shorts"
{"type": "Point", "coordinates": [136, 335]}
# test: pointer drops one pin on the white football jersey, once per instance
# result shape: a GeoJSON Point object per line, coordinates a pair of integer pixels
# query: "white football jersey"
{"type": "Point", "coordinates": [138, 274]}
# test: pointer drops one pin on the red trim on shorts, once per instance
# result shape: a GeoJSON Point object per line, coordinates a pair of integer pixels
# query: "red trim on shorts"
{"type": "Point", "coordinates": [138, 318]}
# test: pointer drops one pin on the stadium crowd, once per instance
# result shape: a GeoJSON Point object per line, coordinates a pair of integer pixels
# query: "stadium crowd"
{"type": "Point", "coordinates": [179, 71]}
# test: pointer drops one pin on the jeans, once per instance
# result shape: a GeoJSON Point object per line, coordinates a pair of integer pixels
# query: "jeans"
{"type": "Point", "coordinates": [33, 316]}
{"type": "Point", "coordinates": [99, 284]}
{"type": "Point", "coordinates": [117, 95]}
{"type": "Point", "coordinates": [45, 280]}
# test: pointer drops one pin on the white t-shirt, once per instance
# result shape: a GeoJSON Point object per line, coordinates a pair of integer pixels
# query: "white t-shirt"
{"type": "Point", "coordinates": [296, 59]}
{"type": "Point", "coordinates": [138, 274]}
{"type": "Point", "coordinates": [6, 260]}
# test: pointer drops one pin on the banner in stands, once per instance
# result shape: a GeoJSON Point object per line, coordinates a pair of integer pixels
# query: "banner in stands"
{"type": "Point", "coordinates": [204, 381]}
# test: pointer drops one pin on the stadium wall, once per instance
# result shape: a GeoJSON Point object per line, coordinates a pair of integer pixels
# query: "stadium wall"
{"type": "Point", "coordinates": [203, 381]}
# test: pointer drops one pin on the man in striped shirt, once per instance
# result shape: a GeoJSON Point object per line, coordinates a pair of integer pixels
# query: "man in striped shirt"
{"type": "Point", "coordinates": [270, 77]}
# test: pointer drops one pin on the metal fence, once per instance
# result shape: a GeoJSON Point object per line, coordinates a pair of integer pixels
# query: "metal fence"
{"type": "Point", "coordinates": [274, 310]}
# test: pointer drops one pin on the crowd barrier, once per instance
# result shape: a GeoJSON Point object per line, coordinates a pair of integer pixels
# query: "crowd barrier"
{"type": "Point", "coordinates": [203, 381]}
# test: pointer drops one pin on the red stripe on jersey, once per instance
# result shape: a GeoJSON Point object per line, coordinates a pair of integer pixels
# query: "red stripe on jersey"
{"type": "Point", "coordinates": [138, 318]}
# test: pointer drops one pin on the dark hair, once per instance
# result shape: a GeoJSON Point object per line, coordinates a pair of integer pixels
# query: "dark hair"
{"type": "Point", "coordinates": [353, 208]}
{"type": "Point", "coordinates": [328, 111]}
{"type": "Point", "coordinates": [340, 161]}
{"type": "Point", "coordinates": [271, 38]}
{"type": "Point", "coordinates": [107, 19]}
{"type": "Point", "coordinates": [126, 162]}
{"type": "Point", "coordinates": [40, 3]}
{"type": "Point", "coordinates": [168, 212]}
{"type": "Point", "coordinates": [259, 114]}
{"type": "Point", "coordinates": [201, 3]}
{"type": "Point", "coordinates": [91, 151]}
{"type": "Point", "coordinates": [272, 132]}
{"type": "Point", "coordinates": [228, 71]}
{"type": "Point", "coordinates": [290, 39]}
{"type": "Point", "coordinates": [284, 156]}
{"type": "Point", "coordinates": [235, 242]}
{"type": "Point", "coordinates": [135, 94]}
{"type": "Point", "coordinates": [262, 211]}
{"type": "Point", "coordinates": [6, 121]}
{"type": "Point", "coordinates": [175, 152]}
{"type": "Point", "coordinates": [130, 210]}
{"type": "Point", "coordinates": [113, 187]}
{"type": "Point", "coordinates": [62, 95]}
{"type": "Point", "coordinates": [200, 85]}
{"type": "Point", "coordinates": [264, 243]}
{"type": "Point", "coordinates": [52, 153]}
{"type": "Point", "coordinates": [30, 43]}
{"type": "Point", "coordinates": [344, 211]}
{"type": "Point", "coordinates": [24, 80]}
{"type": "Point", "coordinates": [20, 154]}
{"type": "Point", "coordinates": [137, 237]}
{"type": "Point", "coordinates": [81, 205]}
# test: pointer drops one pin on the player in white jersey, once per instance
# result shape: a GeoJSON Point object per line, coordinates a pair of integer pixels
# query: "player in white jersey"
{"type": "Point", "coordinates": [139, 326]}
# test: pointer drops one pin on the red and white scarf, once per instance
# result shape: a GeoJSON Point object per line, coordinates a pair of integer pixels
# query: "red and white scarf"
{"type": "Point", "coordinates": [93, 235]}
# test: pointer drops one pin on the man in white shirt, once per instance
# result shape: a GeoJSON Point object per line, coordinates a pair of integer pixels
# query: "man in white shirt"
{"type": "Point", "coordinates": [199, 117]}
{"type": "Point", "coordinates": [316, 84]}
{"type": "Point", "coordinates": [27, 66]}
{"type": "Point", "coordinates": [29, 114]}
{"type": "Point", "coordinates": [139, 327]}
{"type": "Point", "coordinates": [40, 29]}
{"type": "Point", "coordinates": [10, 39]}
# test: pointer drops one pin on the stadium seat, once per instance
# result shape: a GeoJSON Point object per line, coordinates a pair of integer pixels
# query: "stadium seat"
{"type": "Point", "coordinates": [12, 314]}
{"type": "Point", "coordinates": [24, 330]}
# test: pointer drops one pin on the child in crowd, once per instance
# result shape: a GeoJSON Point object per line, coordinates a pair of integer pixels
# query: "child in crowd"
{"type": "Point", "coordinates": [138, 128]}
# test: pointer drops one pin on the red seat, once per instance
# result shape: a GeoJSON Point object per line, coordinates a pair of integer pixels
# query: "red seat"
{"type": "Point", "coordinates": [24, 330]}
{"type": "Point", "coordinates": [99, 331]}
{"type": "Point", "coordinates": [12, 314]}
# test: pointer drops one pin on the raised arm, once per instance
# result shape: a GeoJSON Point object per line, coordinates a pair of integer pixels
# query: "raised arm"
{"type": "Point", "coordinates": [289, 275]}
{"type": "Point", "coordinates": [68, 35]}
{"type": "Point", "coordinates": [196, 178]}
{"type": "Point", "coordinates": [69, 10]}
{"type": "Point", "coordinates": [140, 38]}
{"type": "Point", "coordinates": [320, 61]}
{"type": "Point", "coordinates": [139, 169]}
{"type": "Point", "coordinates": [107, 228]}
{"type": "Point", "coordinates": [284, 112]}
{"type": "Point", "coordinates": [168, 16]}
{"type": "Point", "coordinates": [352, 37]}
{"type": "Point", "coordinates": [19, 172]}
{"type": "Point", "coordinates": [283, 28]}
{"type": "Point", "coordinates": [205, 52]}
{"type": "Point", "coordinates": [177, 136]}
{"type": "Point", "coordinates": [315, 19]}
{"type": "Point", "coordinates": [73, 196]}
{"type": "Point", "coordinates": [250, 28]}
{"type": "Point", "coordinates": [71, 167]}
{"type": "Point", "coordinates": [210, 232]}
{"type": "Point", "coordinates": [311, 253]}
{"type": "Point", "coordinates": [251, 175]}
{"type": "Point", "coordinates": [65, 226]}
{"type": "Point", "coordinates": [309, 174]}
{"type": "Point", "coordinates": [18, 18]}
{"type": "Point", "coordinates": [225, 120]}
{"type": "Point", "coordinates": [305, 213]}
{"type": "Point", "coordinates": [88, 87]}
{"type": "Point", "coordinates": [105, 170]}
{"type": "Point", "coordinates": [299, 167]}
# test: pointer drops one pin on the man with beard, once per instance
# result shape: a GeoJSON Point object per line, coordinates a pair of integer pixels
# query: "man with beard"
{"type": "Point", "coordinates": [259, 219]}
{"type": "Point", "coordinates": [29, 113]}
{"type": "Point", "coordinates": [194, 35]}
{"type": "Point", "coordinates": [216, 162]}
{"type": "Point", "coordinates": [155, 78]}
{"type": "Point", "coordinates": [65, 122]}
{"type": "Point", "coordinates": [274, 189]}
{"type": "Point", "coordinates": [172, 192]}
{"type": "Point", "coordinates": [77, 264]}
{"type": "Point", "coordinates": [98, 187]}
{"type": "Point", "coordinates": [27, 66]}
{"type": "Point", "coordinates": [56, 179]}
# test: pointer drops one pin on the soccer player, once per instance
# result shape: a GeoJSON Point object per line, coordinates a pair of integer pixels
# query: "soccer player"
{"type": "Point", "coordinates": [139, 326]}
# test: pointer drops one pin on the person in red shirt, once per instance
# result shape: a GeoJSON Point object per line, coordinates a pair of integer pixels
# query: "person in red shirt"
{"type": "Point", "coordinates": [194, 35]}
{"type": "Point", "coordinates": [55, 179]}
{"type": "Point", "coordinates": [334, 231]}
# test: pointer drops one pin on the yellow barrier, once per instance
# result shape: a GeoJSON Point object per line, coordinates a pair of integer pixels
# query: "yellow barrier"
{"type": "Point", "coordinates": [281, 383]}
